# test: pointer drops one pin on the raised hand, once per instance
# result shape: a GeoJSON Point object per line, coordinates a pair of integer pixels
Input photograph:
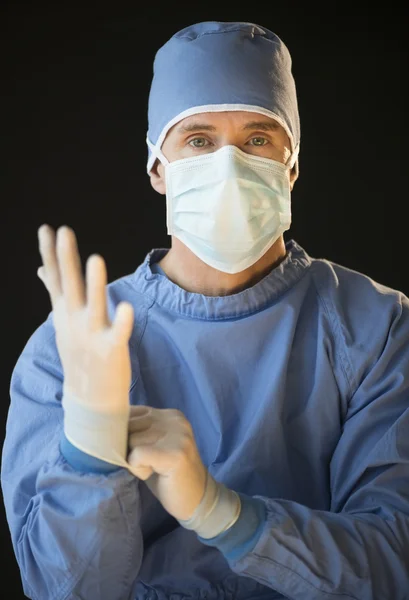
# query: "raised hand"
{"type": "Point", "coordinates": [94, 352]}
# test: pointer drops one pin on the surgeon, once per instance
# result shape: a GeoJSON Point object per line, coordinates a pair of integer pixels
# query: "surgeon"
{"type": "Point", "coordinates": [230, 421]}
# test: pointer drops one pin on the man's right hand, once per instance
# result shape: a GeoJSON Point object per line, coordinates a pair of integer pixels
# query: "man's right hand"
{"type": "Point", "coordinates": [93, 350]}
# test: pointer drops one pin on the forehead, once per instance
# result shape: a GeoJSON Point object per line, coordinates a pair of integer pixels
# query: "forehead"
{"type": "Point", "coordinates": [214, 121]}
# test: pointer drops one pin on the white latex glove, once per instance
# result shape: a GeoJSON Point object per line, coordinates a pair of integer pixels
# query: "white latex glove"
{"type": "Point", "coordinates": [162, 441]}
{"type": "Point", "coordinates": [94, 352]}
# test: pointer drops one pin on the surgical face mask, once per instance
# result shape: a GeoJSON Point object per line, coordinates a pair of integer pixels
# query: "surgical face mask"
{"type": "Point", "coordinates": [228, 207]}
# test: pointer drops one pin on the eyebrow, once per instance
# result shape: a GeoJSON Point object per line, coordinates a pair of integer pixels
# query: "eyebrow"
{"type": "Point", "coordinates": [197, 126]}
{"type": "Point", "coordinates": [263, 125]}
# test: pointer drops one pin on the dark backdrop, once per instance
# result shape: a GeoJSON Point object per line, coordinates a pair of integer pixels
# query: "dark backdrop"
{"type": "Point", "coordinates": [76, 82]}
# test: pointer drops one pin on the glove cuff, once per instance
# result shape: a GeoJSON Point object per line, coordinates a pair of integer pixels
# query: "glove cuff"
{"type": "Point", "coordinates": [100, 434]}
{"type": "Point", "coordinates": [218, 510]}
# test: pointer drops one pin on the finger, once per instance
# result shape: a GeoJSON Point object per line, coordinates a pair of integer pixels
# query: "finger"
{"type": "Point", "coordinates": [46, 239]}
{"type": "Point", "coordinates": [70, 267]}
{"type": "Point", "coordinates": [159, 459]}
{"type": "Point", "coordinates": [41, 275]}
{"type": "Point", "coordinates": [142, 472]}
{"type": "Point", "coordinates": [139, 423]}
{"type": "Point", "coordinates": [96, 275]}
{"type": "Point", "coordinates": [139, 410]}
{"type": "Point", "coordinates": [123, 322]}
{"type": "Point", "coordinates": [138, 468]}
{"type": "Point", "coordinates": [145, 437]}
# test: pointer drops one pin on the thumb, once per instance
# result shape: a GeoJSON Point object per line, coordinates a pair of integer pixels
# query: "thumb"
{"type": "Point", "coordinates": [41, 275]}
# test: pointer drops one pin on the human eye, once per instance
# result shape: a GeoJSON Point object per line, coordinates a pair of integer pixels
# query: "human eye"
{"type": "Point", "coordinates": [198, 142]}
{"type": "Point", "coordinates": [259, 141]}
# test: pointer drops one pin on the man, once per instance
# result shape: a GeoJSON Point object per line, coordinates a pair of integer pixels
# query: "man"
{"type": "Point", "coordinates": [231, 420]}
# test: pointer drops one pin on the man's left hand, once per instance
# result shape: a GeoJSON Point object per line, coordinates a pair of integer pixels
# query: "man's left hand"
{"type": "Point", "coordinates": [163, 452]}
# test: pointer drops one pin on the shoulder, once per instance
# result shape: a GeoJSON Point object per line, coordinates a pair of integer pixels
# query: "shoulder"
{"type": "Point", "coordinates": [367, 317]}
{"type": "Point", "coordinates": [354, 292]}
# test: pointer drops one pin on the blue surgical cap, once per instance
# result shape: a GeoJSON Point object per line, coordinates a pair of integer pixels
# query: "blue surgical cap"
{"type": "Point", "coordinates": [215, 66]}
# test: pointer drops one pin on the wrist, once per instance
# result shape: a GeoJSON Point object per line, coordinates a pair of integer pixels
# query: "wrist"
{"type": "Point", "coordinates": [218, 510]}
{"type": "Point", "coordinates": [103, 435]}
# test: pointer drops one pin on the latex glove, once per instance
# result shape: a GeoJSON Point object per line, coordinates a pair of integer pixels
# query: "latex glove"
{"type": "Point", "coordinates": [163, 452]}
{"type": "Point", "coordinates": [94, 352]}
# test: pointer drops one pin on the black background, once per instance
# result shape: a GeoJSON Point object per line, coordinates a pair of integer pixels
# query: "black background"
{"type": "Point", "coordinates": [74, 118]}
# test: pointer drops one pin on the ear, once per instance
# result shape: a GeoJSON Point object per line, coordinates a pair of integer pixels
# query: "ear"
{"type": "Point", "coordinates": [157, 176]}
{"type": "Point", "coordinates": [293, 178]}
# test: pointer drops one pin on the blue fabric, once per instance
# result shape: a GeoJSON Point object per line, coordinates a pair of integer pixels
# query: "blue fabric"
{"type": "Point", "coordinates": [241, 538]}
{"type": "Point", "coordinates": [223, 63]}
{"type": "Point", "coordinates": [155, 268]}
{"type": "Point", "coordinates": [82, 461]}
{"type": "Point", "coordinates": [297, 390]}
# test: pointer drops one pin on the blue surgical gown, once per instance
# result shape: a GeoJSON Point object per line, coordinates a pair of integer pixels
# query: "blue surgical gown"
{"type": "Point", "coordinates": [297, 390]}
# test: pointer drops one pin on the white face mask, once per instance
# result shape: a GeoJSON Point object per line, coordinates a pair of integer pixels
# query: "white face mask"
{"type": "Point", "coordinates": [228, 207]}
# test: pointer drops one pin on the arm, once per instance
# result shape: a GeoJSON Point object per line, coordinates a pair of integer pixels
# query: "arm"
{"type": "Point", "coordinates": [75, 534]}
{"type": "Point", "coordinates": [359, 549]}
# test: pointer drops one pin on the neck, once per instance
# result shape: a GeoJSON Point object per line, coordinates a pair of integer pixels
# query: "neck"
{"type": "Point", "coordinates": [193, 275]}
